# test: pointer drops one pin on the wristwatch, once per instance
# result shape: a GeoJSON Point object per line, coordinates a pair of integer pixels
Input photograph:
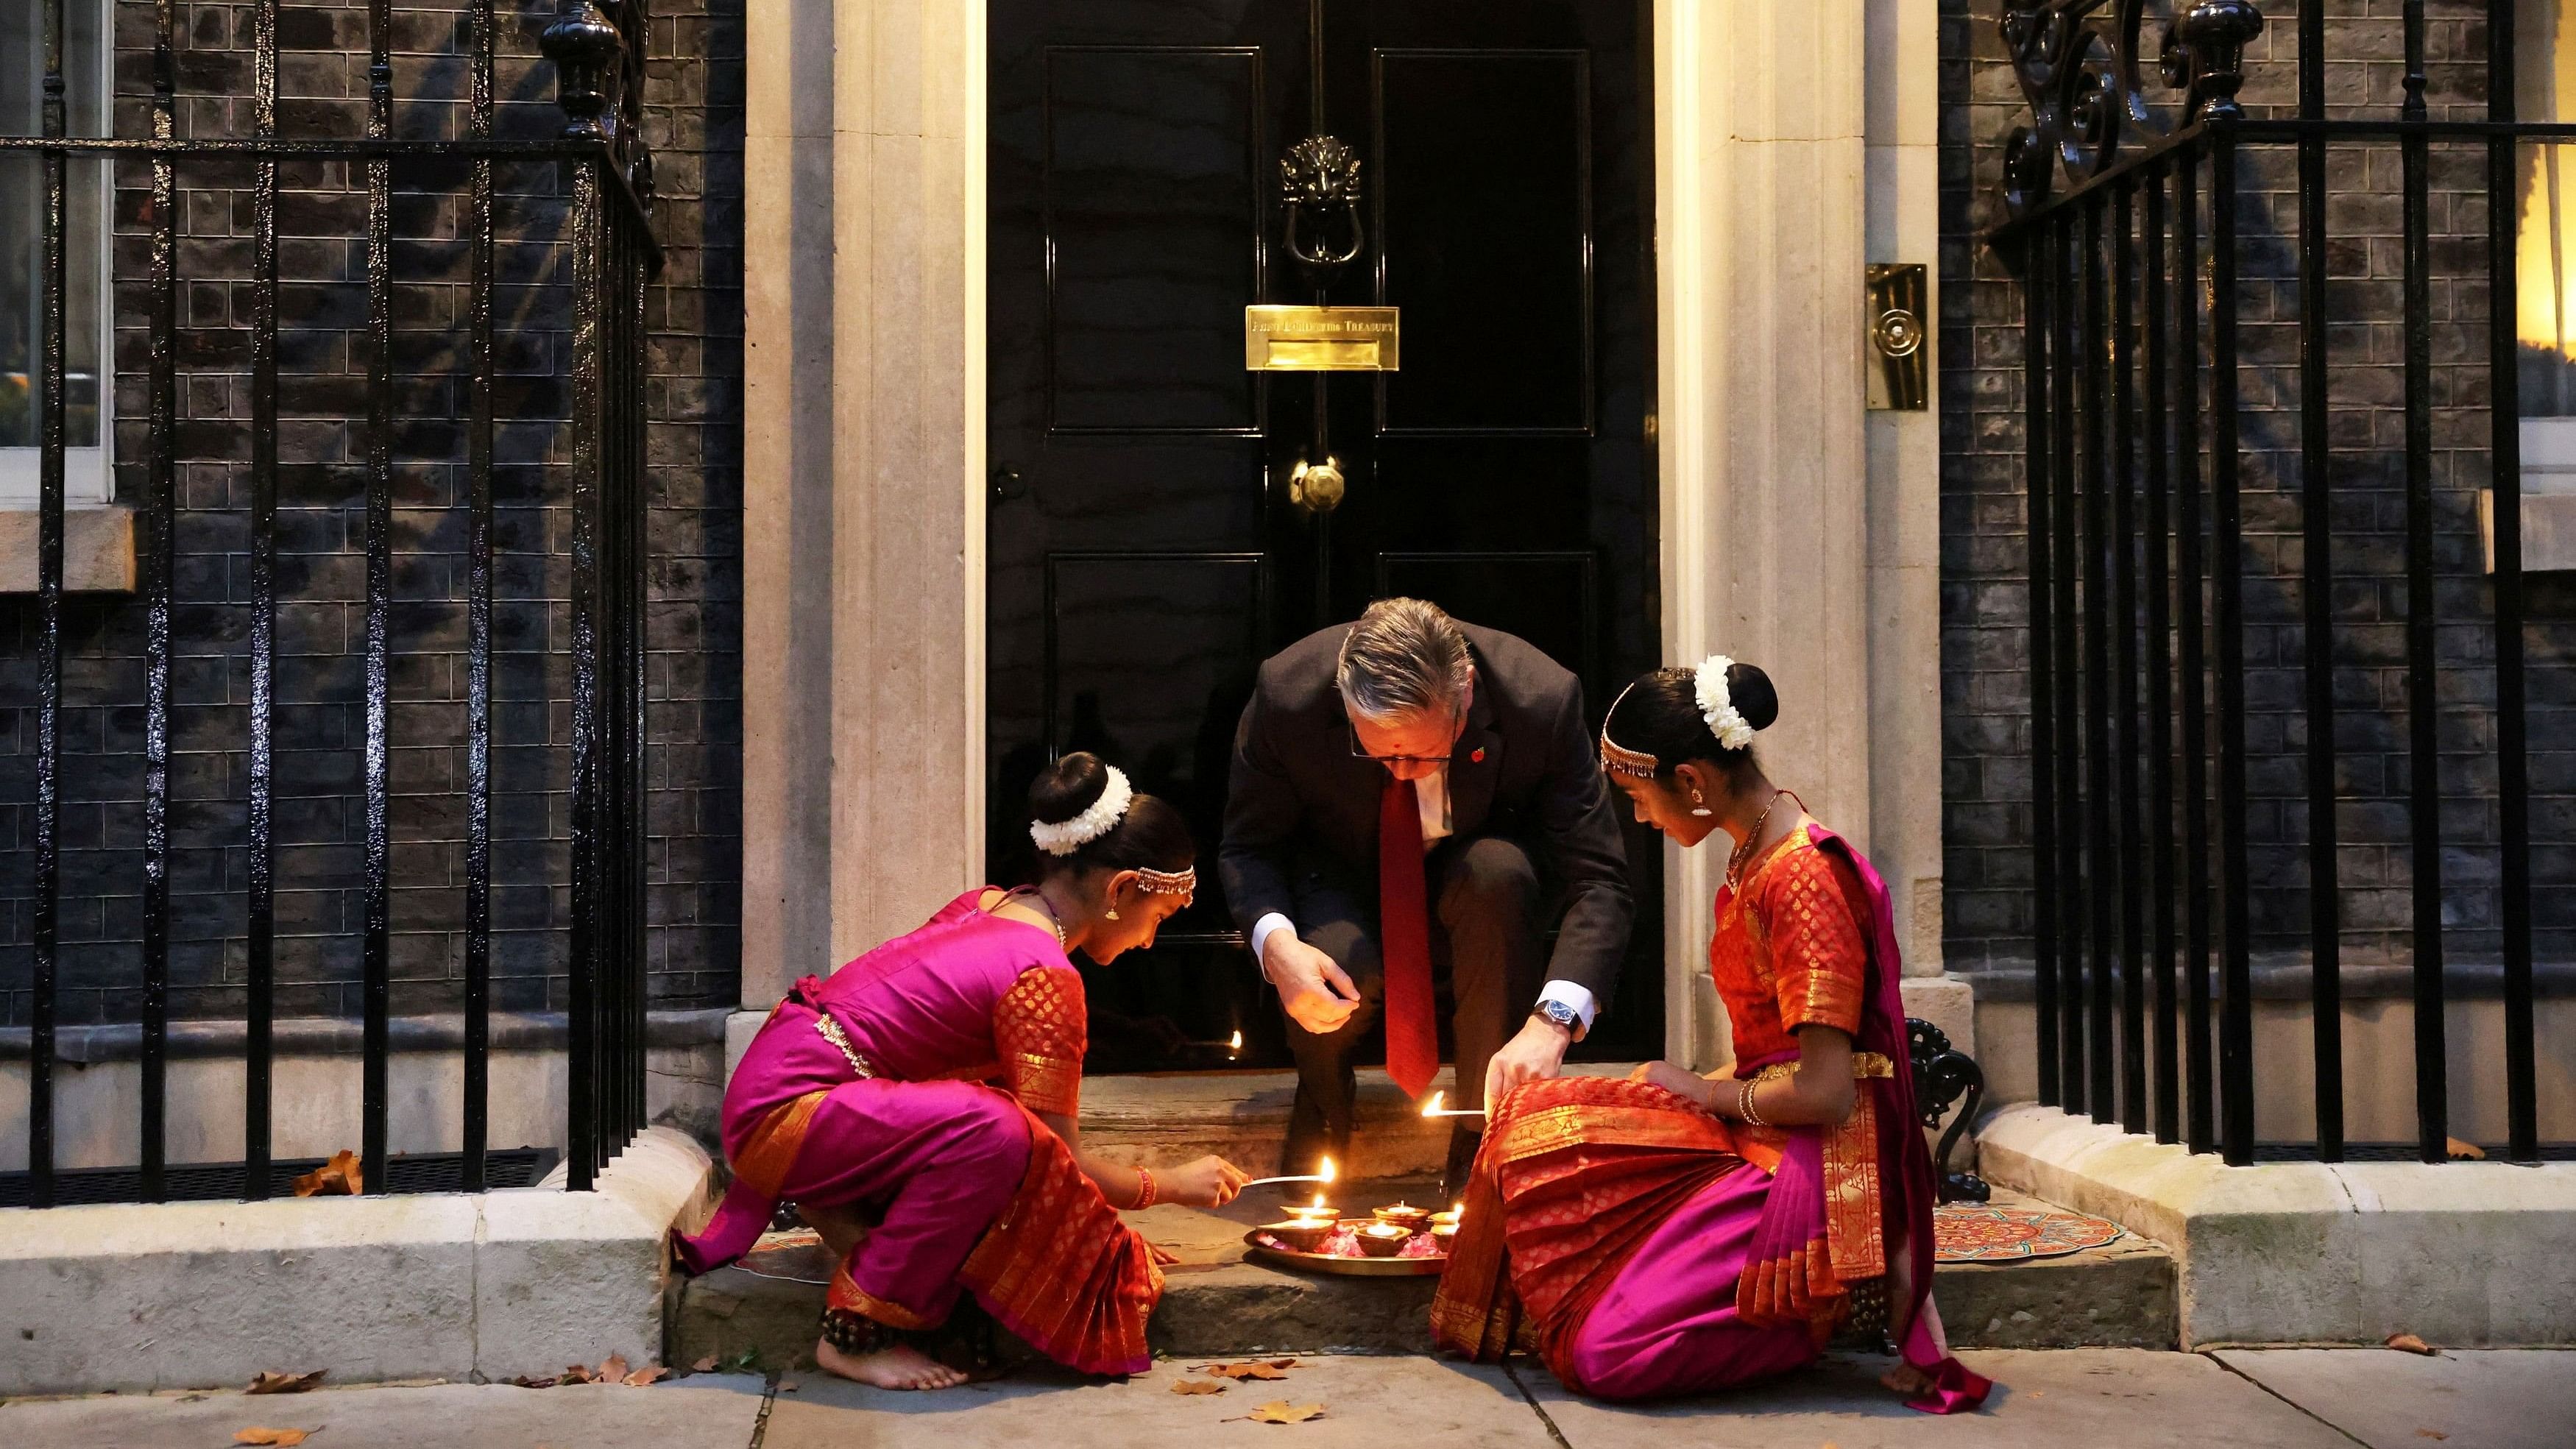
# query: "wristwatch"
{"type": "Point", "coordinates": [1561, 1014]}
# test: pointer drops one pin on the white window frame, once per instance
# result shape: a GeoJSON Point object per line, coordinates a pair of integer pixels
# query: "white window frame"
{"type": "Point", "coordinates": [89, 474]}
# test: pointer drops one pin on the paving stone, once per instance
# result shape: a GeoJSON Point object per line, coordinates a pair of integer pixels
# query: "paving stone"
{"type": "Point", "coordinates": [2114, 1398]}
{"type": "Point", "coordinates": [1369, 1403]}
{"type": "Point", "coordinates": [706, 1411]}
{"type": "Point", "coordinates": [2486, 1399]}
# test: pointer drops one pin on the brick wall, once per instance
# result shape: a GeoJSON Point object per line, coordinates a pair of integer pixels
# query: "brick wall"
{"type": "Point", "coordinates": [693, 408]}
{"type": "Point", "coordinates": [1987, 777]}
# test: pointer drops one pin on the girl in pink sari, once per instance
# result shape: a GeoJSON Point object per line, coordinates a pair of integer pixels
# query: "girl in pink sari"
{"type": "Point", "coordinates": [1675, 1234]}
{"type": "Point", "coordinates": [919, 1107]}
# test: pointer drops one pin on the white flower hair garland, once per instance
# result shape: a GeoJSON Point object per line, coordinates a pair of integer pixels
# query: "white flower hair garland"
{"type": "Point", "coordinates": [1066, 837]}
{"type": "Point", "coordinates": [1717, 708]}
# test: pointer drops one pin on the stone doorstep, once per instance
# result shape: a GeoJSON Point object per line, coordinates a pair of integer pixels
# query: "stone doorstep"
{"type": "Point", "coordinates": [2460, 1254]}
{"type": "Point", "coordinates": [144, 1297]}
{"type": "Point", "coordinates": [1216, 1304]}
{"type": "Point", "coordinates": [1243, 1117]}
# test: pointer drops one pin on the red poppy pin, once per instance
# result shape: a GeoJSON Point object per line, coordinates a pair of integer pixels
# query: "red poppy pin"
{"type": "Point", "coordinates": [1478, 757]}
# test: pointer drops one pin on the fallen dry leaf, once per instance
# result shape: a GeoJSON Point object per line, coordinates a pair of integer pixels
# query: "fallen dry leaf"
{"type": "Point", "coordinates": [1245, 1371]}
{"type": "Point", "coordinates": [283, 1438]}
{"type": "Point", "coordinates": [2460, 1151]}
{"type": "Point", "coordinates": [527, 1382]}
{"type": "Point", "coordinates": [612, 1369]}
{"type": "Point", "coordinates": [265, 1382]}
{"type": "Point", "coordinates": [338, 1177]}
{"type": "Point", "coordinates": [644, 1376]}
{"type": "Point", "coordinates": [2431, 1434]}
{"type": "Point", "coordinates": [1283, 1363]}
{"type": "Point", "coordinates": [1198, 1386]}
{"type": "Point", "coordinates": [577, 1373]}
{"type": "Point", "coordinates": [705, 1365]}
{"type": "Point", "coordinates": [2409, 1343]}
{"type": "Point", "coordinates": [1280, 1411]}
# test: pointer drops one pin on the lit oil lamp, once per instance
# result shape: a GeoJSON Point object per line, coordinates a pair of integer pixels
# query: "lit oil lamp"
{"type": "Point", "coordinates": [1404, 1215]}
{"type": "Point", "coordinates": [1318, 1211]}
{"type": "Point", "coordinates": [1306, 1235]}
{"type": "Point", "coordinates": [1444, 1226]}
{"type": "Point", "coordinates": [1383, 1240]}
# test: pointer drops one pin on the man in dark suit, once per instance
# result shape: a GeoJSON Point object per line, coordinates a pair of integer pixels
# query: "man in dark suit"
{"type": "Point", "coordinates": [1465, 751]}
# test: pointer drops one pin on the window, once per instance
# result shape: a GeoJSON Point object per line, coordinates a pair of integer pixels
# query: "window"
{"type": "Point", "coordinates": [86, 422]}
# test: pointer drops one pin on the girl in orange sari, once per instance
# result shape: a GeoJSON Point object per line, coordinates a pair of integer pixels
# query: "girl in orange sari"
{"type": "Point", "coordinates": [863, 1101]}
{"type": "Point", "coordinates": [1673, 1233]}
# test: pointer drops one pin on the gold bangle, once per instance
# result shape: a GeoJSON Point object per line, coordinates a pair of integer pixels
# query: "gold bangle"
{"type": "Point", "coordinates": [1744, 1106]}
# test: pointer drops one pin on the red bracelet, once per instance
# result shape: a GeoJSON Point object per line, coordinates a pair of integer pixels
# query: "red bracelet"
{"type": "Point", "coordinates": [1144, 1190]}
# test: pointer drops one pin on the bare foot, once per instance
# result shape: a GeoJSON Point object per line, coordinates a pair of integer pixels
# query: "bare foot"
{"type": "Point", "coordinates": [1907, 1380]}
{"type": "Point", "coordinates": [899, 1367]}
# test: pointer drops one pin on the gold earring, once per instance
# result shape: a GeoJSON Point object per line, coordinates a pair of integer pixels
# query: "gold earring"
{"type": "Point", "coordinates": [1697, 802]}
{"type": "Point", "coordinates": [1113, 905]}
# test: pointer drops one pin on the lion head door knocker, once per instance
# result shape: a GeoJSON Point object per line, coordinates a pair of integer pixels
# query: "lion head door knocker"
{"type": "Point", "coordinates": [1319, 182]}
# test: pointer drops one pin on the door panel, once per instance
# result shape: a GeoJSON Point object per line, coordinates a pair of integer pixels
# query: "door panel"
{"type": "Point", "coordinates": [1143, 554]}
{"type": "Point", "coordinates": [1154, 237]}
{"type": "Point", "coordinates": [1484, 239]}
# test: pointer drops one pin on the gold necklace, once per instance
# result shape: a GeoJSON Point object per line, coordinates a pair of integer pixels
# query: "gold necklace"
{"type": "Point", "coordinates": [1053, 921]}
{"type": "Point", "coordinates": [1753, 837]}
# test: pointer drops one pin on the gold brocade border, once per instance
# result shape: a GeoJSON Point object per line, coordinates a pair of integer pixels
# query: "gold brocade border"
{"type": "Point", "coordinates": [770, 1151]}
{"type": "Point", "coordinates": [847, 1296]}
{"type": "Point", "coordinates": [1580, 1123]}
{"type": "Point", "coordinates": [1854, 1227]}
{"type": "Point", "coordinates": [1046, 1084]}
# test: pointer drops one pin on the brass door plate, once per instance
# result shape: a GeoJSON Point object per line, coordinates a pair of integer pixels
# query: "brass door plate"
{"type": "Point", "coordinates": [1319, 339]}
{"type": "Point", "coordinates": [1900, 342]}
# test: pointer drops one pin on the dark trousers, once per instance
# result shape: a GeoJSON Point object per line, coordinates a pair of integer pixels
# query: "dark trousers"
{"type": "Point", "coordinates": [1485, 950]}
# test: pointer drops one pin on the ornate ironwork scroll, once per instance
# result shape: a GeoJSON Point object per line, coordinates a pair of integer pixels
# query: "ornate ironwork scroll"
{"type": "Point", "coordinates": [1942, 1074]}
{"type": "Point", "coordinates": [2078, 64]}
{"type": "Point", "coordinates": [598, 50]}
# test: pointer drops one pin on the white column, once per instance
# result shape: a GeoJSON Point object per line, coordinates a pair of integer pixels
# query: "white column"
{"type": "Point", "coordinates": [863, 619]}
{"type": "Point", "coordinates": [787, 496]}
{"type": "Point", "coordinates": [1760, 226]}
{"type": "Point", "coordinates": [1904, 225]}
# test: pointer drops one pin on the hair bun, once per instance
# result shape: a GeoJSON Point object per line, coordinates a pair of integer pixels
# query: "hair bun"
{"type": "Point", "coordinates": [1753, 696]}
{"type": "Point", "coordinates": [1063, 790]}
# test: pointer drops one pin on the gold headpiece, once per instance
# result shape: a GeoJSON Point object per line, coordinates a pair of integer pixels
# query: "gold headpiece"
{"type": "Point", "coordinates": [1168, 883]}
{"type": "Point", "coordinates": [1618, 759]}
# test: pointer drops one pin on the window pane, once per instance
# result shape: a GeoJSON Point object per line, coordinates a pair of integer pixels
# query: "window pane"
{"type": "Point", "coordinates": [22, 213]}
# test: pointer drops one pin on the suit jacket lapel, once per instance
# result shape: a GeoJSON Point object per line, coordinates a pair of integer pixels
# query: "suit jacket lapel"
{"type": "Point", "coordinates": [1475, 766]}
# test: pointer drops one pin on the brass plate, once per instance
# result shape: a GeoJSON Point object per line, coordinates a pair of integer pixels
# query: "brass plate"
{"type": "Point", "coordinates": [1320, 339]}
{"type": "Point", "coordinates": [1254, 1250]}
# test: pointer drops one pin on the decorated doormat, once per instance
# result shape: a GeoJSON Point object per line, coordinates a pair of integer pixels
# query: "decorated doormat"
{"type": "Point", "coordinates": [1968, 1232]}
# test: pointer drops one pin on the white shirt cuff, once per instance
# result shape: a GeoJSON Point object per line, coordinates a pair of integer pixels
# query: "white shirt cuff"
{"type": "Point", "coordinates": [1566, 993]}
{"type": "Point", "coordinates": [1261, 933]}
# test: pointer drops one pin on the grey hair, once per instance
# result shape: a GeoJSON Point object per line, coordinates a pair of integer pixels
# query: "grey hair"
{"type": "Point", "coordinates": [1405, 658]}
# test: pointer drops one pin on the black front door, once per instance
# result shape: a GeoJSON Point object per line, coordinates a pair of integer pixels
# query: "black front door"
{"type": "Point", "coordinates": [1144, 548]}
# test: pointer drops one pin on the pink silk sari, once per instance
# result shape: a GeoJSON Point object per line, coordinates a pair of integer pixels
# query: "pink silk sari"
{"type": "Point", "coordinates": [867, 1091]}
{"type": "Point", "coordinates": [1623, 1234]}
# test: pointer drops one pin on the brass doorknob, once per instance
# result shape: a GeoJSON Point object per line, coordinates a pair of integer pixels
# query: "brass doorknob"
{"type": "Point", "coordinates": [1317, 487]}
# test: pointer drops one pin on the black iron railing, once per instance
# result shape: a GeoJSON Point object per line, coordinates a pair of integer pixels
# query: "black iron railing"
{"type": "Point", "coordinates": [2127, 231]}
{"type": "Point", "coordinates": [597, 47]}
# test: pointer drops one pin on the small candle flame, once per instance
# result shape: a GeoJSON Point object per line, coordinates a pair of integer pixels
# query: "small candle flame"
{"type": "Point", "coordinates": [1235, 1044]}
{"type": "Point", "coordinates": [1432, 1109]}
{"type": "Point", "coordinates": [1319, 1202]}
{"type": "Point", "coordinates": [1326, 1172]}
{"type": "Point", "coordinates": [1458, 1208]}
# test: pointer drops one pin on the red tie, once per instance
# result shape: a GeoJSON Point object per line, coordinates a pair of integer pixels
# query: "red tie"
{"type": "Point", "coordinates": [1404, 942]}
